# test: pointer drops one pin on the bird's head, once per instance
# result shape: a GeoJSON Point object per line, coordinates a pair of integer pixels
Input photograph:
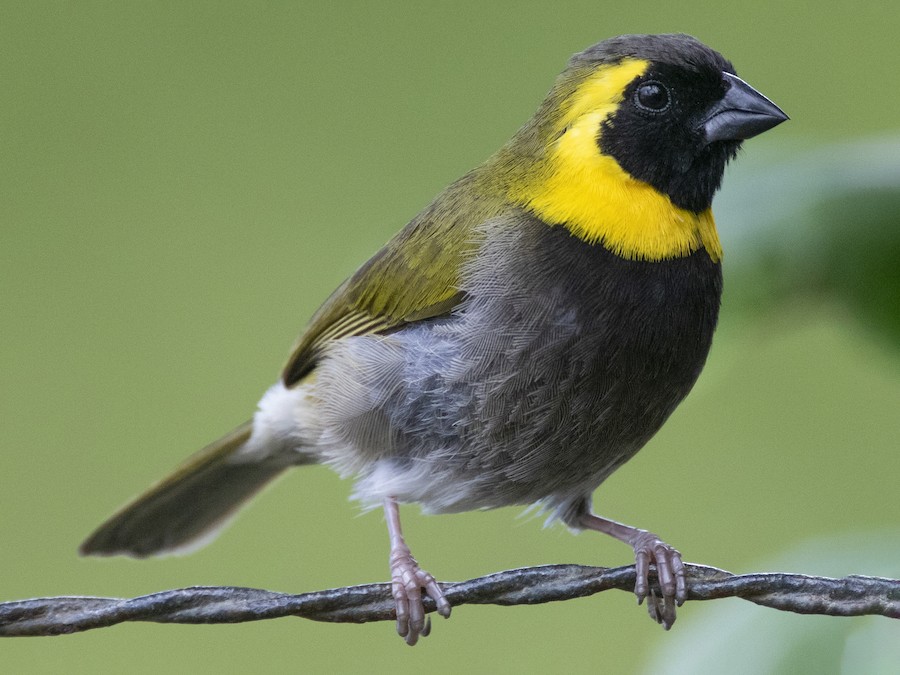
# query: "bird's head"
{"type": "Point", "coordinates": [631, 143]}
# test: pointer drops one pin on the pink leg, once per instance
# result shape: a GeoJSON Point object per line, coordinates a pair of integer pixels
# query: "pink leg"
{"type": "Point", "coordinates": [648, 548]}
{"type": "Point", "coordinates": [407, 582]}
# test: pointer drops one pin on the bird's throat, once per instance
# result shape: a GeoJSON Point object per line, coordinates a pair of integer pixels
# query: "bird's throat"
{"type": "Point", "coordinates": [591, 196]}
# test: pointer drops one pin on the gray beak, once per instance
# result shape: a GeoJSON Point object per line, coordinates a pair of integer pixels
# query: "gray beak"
{"type": "Point", "coordinates": [741, 114]}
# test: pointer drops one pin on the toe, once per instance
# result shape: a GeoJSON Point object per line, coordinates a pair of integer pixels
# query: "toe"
{"type": "Point", "coordinates": [416, 609]}
{"type": "Point", "coordinates": [680, 578]}
{"type": "Point", "coordinates": [662, 555]}
{"type": "Point", "coordinates": [401, 605]}
{"type": "Point", "coordinates": [667, 615]}
{"type": "Point", "coordinates": [642, 573]}
{"type": "Point", "coordinates": [436, 593]}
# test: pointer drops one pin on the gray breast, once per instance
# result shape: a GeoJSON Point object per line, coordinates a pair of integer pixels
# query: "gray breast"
{"type": "Point", "coordinates": [562, 361]}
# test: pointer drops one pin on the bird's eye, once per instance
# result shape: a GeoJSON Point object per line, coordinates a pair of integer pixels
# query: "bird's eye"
{"type": "Point", "coordinates": [653, 96]}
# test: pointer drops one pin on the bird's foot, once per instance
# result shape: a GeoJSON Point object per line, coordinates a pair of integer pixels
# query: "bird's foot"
{"type": "Point", "coordinates": [408, 580]}
{"type": "Point", "coordinates": [649, 550]}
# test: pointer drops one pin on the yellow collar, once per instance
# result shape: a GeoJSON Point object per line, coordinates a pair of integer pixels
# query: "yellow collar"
{"type": "Point", "coordinates": [593, 197]}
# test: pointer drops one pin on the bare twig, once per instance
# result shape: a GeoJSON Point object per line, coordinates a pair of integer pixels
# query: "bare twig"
{"type": "Point", "coordinates": [850, 596]}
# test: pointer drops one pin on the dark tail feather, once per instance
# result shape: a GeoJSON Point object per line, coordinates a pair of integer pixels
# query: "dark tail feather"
{"type": "Point", "coordinates": [187, 509]}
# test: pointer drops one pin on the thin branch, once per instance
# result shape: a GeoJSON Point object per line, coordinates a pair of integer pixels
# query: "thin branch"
{"type": "Point", "coordinates": [850, 596]}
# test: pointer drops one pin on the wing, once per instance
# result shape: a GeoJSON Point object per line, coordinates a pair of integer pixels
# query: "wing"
{"type": "Point", "coordinates": [415, 276]}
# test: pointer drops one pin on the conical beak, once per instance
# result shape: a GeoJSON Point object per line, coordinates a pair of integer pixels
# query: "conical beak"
{"type": "Point", "coordinates": [741, 114]}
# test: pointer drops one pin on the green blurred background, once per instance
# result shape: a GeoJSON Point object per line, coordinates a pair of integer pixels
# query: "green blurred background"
{"type": "Point", "coordinates": [183, 183]}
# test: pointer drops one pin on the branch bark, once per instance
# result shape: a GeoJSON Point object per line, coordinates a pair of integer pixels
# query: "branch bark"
{"type": "Point", "coordinates": [850, 596]}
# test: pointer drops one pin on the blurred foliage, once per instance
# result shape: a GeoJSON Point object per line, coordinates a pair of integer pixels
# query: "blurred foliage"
{"type": "Point", "coordinates": [789, 643]}
{"type": "Point", "coordinates": [822, 226]}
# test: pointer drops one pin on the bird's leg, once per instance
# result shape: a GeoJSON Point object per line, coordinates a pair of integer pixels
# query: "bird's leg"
{"type": "Point", "coordinates": [648, 548]}
{"type": "Point", "coordinates": [407, 582]}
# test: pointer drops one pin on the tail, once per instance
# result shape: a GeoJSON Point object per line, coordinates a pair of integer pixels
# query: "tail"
{"type": "Point", "coordinates": [187, 509]}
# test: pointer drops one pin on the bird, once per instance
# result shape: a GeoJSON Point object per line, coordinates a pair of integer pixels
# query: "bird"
{"type": "Point", "coordinates": [517, 341]}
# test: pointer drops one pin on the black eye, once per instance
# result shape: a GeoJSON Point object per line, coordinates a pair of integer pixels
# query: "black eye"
{"type": "Point", "coordinates": [653, 96]}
